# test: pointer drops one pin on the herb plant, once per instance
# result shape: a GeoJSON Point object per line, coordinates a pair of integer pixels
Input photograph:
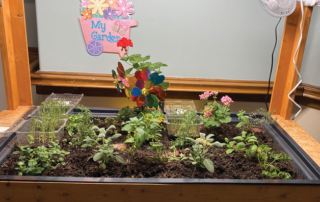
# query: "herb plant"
{"type": "Point", "coordinates": [34, 161]}
{"type": "Point", "coordinates": [104, 150]}
{"type": "Point", "coordinates": [125, 113]}
{"type": "Point", "coordinates": [158, 148]}
{"type": "Point", "coordinates": [199, 155]}
{"type": "Point", "coordinates": [80, 126]}
{"type": "Point", "coordinates": [143, 128]}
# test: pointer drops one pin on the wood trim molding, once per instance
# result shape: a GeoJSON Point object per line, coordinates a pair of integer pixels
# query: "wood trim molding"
{"type": "Point", "coordinates": [88, 80]}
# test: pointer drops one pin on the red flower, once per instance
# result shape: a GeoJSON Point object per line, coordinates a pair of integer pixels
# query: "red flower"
{"type": "Point", "coordinates": [124, 43]}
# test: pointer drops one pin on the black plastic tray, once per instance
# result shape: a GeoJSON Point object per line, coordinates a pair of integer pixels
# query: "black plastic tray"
{"type": "Point", "coordinates": [307, 168]}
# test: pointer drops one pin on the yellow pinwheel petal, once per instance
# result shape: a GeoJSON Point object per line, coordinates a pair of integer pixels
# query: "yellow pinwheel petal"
{"type": "Point", "coordinates": [91, 6]}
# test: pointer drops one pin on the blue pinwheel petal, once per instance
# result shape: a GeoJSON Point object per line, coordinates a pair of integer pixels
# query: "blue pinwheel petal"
{"type": "Point", "coordinates": [156, 79]}
{"type": "Point", "coordinates": [136, 92]}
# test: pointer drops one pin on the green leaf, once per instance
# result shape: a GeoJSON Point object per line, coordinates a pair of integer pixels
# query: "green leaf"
{"type": "Point", "coordinates": [120, 159]}
{"type": "Point", "coordinates": [20, 174]}
{"type": "Point", "coordinates": [128, 128]}
{"type": "Point", "coordinates": [216, 144]}
{"type": "Point", "coordinates": [130, 140]}
{"type": "Point", "coordinates": [136, 66]}
{"type": "Point", "coordinates": [240, 124]}
{"type": "Point", "coordinates": [252, 150]}
{"type": "Point", "coordinates": [128, 71]}
{"type": "Point", "coordinates": [124, 59]}
{"type": "Point", "coordinates": [102, 166]}
{"type": "Point", "coordinates": [228, 119]}
{"type": "Point", "coordinates": [16, 152]}
{"type": "Point", "coordinates": [229, 151]}
{"type": "Point", "coordinates": [209, 165]}
{"type": "Point", "coordinates": [164, 85]}
{"type": "Point", "coordinates": [239, 146]}
{"type": "Point", "coordinates": [140, 130]}
{"type": "Point", "coordinates": [97, 156]}
{"type": "Point", "coordinates": [238, 138]}
{"type": "Point", "coordinates": [20, 163]}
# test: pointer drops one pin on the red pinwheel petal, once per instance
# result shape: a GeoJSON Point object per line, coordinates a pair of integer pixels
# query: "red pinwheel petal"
{"type": "Point", "coordinates": [140, 100]}
{"type": "Point", "coordinates": [138, 75]}
{"type": "Point", "coordinates": [145, 74]}
{"type": "Point", "coordinates": [159, 92]}
{"type": "Point", "coordinates": [134, 98]}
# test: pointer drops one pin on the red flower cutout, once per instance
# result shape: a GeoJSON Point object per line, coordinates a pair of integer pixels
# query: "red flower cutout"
{"type": "Point", "coordinates": [124, 43]}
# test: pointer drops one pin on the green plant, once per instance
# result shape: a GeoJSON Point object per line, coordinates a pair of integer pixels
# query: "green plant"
{"type": "Point", "coordinates": [47, 119]}
{"type": "Point", "coordinates": [125, 114]}
{"type": "Point", "coordinates": [93, 140]}
{"type": "Point", "coordinates": [146, 127]}
{"type": "Point", "coordinates": [173, 150]}
{"type": "Point", "coordinates": [214, 114]}
{"type": "Point", "coordinates": [256, 118]}
{"type": "Point", "coordinates": [264, 154]}
{"type": "Point", "coordinates": [80, 126]}
{"type": "Point", "coordinates": [246, 139]}
{"type": "Point", "coordinates": [199, 155]}
{"type": "Point", "coordinates": [157, 147]}
{"type": "Point", "coordinates": [35, 161]}
{"type": "Point", "coordinates": [105, 150]}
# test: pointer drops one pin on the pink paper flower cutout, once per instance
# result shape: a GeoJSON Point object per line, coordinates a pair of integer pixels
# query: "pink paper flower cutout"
{"type": "Point", "coordinates": [226, 100]}
{"type": "Point", "coordinates": [124, 9]}
{"type": "Point", "coordinates": [85, 3]}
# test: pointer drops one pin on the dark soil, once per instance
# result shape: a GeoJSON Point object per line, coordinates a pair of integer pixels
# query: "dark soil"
{"type": "Point", "coordinates": [232, 166]}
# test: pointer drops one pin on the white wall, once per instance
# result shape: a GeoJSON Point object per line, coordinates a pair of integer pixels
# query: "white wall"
{"type": "Point", "coordinates": [310, 69]}
{"type": "Point", "coordinates": [199, 39]}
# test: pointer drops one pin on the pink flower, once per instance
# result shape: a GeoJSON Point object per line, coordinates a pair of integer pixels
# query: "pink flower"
{"type": "Point", "coordinates": [124, 9]}
{"type": "Point", "coordinates": [204, 116]}
{"type": "Point", "coordinates": [206, 94]}
{"type": "Point", "coordinates": [202, 97]}
{"type": "Point", "coordinates": [226, 100]}
{"type": "Point", "coordinates": [85, 3]}
{"type": "Point", "coordinates": [214, 92]}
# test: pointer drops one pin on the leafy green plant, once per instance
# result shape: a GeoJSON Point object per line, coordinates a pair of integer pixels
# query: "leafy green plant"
{"type": "Point", "coordinates": [230, 145]}
{"type": "Point", "coordinates": [158, 148]}
{"type": "Point", "coordinates": [256, 118]}
{"type": "Point", "coordinates": [125, 114]}
{"type": "Point", "coordinates": [199, 155]}
{"type": "Point", "coordinates": [138, 63]}
{"type": "Point", "coordinates": [245, 140]}
{"type": "Point", "coordinates": [264, 154]}
{"type": "Point", "coordinates": [80, 126]}
{"type": "Point", "coordinates": [105, 151]}
{"type": "Point", "coordinates": [34, 161]}
{"type": "Point", "coordinates": [214, 114]}
{"type": "Point", "coordinates": [146, 127]}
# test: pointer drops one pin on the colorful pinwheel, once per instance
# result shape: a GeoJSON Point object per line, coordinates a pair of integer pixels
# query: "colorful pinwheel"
{"type": "Point", "coordinates": [121, 77]}
{"type": "Point", "coordinates": [148, 90]}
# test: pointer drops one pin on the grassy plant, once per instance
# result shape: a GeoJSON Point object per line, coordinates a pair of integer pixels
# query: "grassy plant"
{"type": "Point", "coordinates": [47, 120]}
{"type": "Point", "coordinates": [35, 161]}
{"type": "Point", "coordinates": [183, 122]}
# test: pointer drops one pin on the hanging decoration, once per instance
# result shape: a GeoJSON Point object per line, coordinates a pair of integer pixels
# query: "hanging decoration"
{"type": "Point", "coordinates": [104, 23]}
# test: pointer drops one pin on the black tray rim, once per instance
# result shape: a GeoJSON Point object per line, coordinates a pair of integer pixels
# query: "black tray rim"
{"type": "Point", "coordinates": [101, 113]}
